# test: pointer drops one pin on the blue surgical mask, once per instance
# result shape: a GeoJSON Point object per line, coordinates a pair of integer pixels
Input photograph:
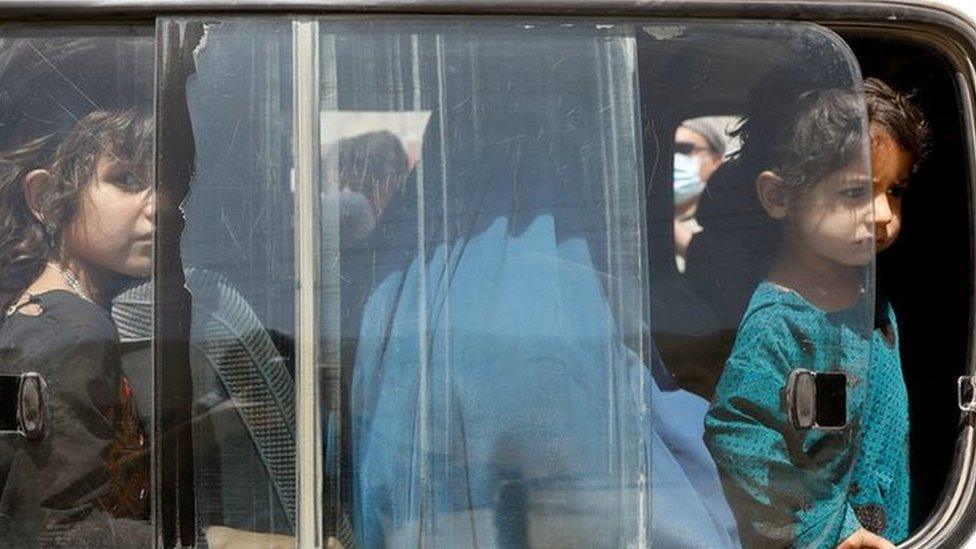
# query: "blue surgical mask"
{"type": "Point", "coordinates": [356, 217]}
{"type": "Point", "coordinates": [687, 183]}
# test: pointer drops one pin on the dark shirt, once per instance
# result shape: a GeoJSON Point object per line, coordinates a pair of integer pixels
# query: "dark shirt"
{"type": "Point", "coordinates": [57, 490]}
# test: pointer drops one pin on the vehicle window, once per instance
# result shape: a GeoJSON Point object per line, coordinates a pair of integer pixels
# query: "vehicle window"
{"type": "Point", "coordinates": [488, 281]}
{"type": "Point", "coordinates": [452, 241]}
{"type": "Point", "coordinates": [500, 286]}
{"type": "Point", "coordinates": [77, 217]}
{"type": "Point", "coordinates": [716, 323]}
{"type": "Point", "coordinates": [238, 254]}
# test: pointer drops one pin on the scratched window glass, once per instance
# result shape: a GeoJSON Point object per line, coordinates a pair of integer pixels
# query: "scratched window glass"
{"type": "Point", "coordinates": [761, 232]}
{"type": "Point", "coordinates": [238, 264]}
{"type": "Point", "coordinates": [489, 186]}
{"type": "Point", "coordinates": [498, 191]}
{"type": "Point", "coordinates": [435, 296]}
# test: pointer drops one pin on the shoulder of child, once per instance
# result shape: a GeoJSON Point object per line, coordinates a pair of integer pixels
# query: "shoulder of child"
{"type": "Point", "coordinates": [775, 330]}
{"type": "Point", "coordinates": [775, 310]}
{"type": "Point", "coordinates": [79, 316]}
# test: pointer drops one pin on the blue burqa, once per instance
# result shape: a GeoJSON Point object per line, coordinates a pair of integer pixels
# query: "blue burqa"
{"type": "Point", "coordinates": [495, 401]}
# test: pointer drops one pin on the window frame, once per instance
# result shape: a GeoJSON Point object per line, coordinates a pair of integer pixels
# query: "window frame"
{"type": "Point", "coordinates": [946, 29]}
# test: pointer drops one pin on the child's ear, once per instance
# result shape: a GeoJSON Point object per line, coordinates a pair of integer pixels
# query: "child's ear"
{"type": "Point", "coordinates": [35, 182]}
{"type": "Point", "coordinates": [773, 195]}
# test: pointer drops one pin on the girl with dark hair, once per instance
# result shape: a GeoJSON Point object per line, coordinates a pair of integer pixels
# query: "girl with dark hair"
{"type": "Point", "coordinates": [790, 487]}
{"type": "Point", "coordinates": [76, 220]}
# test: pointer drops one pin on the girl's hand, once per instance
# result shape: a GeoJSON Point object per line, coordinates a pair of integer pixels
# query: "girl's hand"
{"type": "Point", "coordinates": [862, 539]}
{"type": "Point", "coordinates": [222, 537]}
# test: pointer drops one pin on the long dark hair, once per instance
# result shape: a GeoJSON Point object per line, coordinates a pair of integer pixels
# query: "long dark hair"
{"type": "Point", "coordinates": [26, 242]}
{"type": "Point", "coordinates": [896, 113]}
{"type": "Point", "coordinates": [813, 135]}
{"type": "Point", "coordinates": [63, 106]}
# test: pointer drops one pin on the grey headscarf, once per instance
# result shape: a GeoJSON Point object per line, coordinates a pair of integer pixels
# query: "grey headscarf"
{"type": "Point", "coordinates": [712, 129]}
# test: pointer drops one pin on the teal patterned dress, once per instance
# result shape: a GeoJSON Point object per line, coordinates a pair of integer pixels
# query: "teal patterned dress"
{"type": "Point", "coordinates": [812, 488]}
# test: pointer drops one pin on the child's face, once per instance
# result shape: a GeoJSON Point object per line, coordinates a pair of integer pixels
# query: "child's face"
{"type": "Point", "coordinates": [833, 218]}
{"type": "Point", "coordinates": [113, 226]}
{"type": "Point", "coordinates": [891, 167]}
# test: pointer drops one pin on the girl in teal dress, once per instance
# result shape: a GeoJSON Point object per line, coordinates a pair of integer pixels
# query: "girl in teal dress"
{"type": "Point", "coordinates": [821, 488]}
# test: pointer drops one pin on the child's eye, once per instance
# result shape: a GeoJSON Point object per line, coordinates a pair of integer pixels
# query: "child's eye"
{"type": "Point", "coordinates": [897, 191]}
{"type": "Point", "coordinates": [854, 192]}
{"type": "Point", "coordinates": [128, 181]}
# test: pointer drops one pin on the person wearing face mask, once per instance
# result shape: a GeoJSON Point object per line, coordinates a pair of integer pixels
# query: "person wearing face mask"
{"type": "Point", "coordinates": [699, 145]}
{"type": "Point", "coordinates": [371, 167]}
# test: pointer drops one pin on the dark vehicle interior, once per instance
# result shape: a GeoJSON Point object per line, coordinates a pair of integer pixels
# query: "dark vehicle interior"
{"type": "Point", "coordinates": [934, 252]}
{"type": "Point", "coordinates": [927, 275]}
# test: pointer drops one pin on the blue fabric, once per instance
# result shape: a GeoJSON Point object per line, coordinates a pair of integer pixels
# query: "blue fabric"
{"type": "Point", "coordinates": [688, 505]}
{"type": "Point", "coordinates": [791, 487]}
{"type": "Point", "coordinates": [879, 491]}
{"type": "Point", "coordinates": [494, 402]}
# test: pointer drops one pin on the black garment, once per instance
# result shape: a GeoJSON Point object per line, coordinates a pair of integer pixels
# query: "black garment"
{"type": "Point", "coordinates": [55, 490]}
{"type": "Point", "coordinates": [243, 404]}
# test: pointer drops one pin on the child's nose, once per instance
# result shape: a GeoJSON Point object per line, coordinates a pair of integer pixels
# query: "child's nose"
{"type": "Point", "coordinates": [150, 204]}
{"type": "Point", "coordinates": [882, 210]}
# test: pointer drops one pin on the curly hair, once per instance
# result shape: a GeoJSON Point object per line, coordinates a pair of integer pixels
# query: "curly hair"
{"type": "Point", "coordinates": [896, 114]}
{"type": "Point", "coordinates": [808, 138]}
{"type": "Point", "coordinates": [374, 163]}
{"type": "Point", "coordinates": [27, 242]}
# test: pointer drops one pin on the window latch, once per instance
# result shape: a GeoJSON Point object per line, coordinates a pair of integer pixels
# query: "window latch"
{"type": "Point", "coordinates": [22, 404]}
{"type": "Point", "coordinates": [967, 393]}
{"type": "Point", "coordinates": [816, 400]}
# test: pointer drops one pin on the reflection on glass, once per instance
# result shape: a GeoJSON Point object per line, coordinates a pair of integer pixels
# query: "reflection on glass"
{"type": "Point", "coordinates": [500, 387]}
{"type": "Point", "coordinates": [492, 400]}
{"type": "Point", "coordinates": [238, 259]}
{"type": "Point", "coordinates": [370, 155]}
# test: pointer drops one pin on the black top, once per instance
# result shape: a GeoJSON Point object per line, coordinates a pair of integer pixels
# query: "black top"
{"type": "Point", "coordinates": [58, 490]}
